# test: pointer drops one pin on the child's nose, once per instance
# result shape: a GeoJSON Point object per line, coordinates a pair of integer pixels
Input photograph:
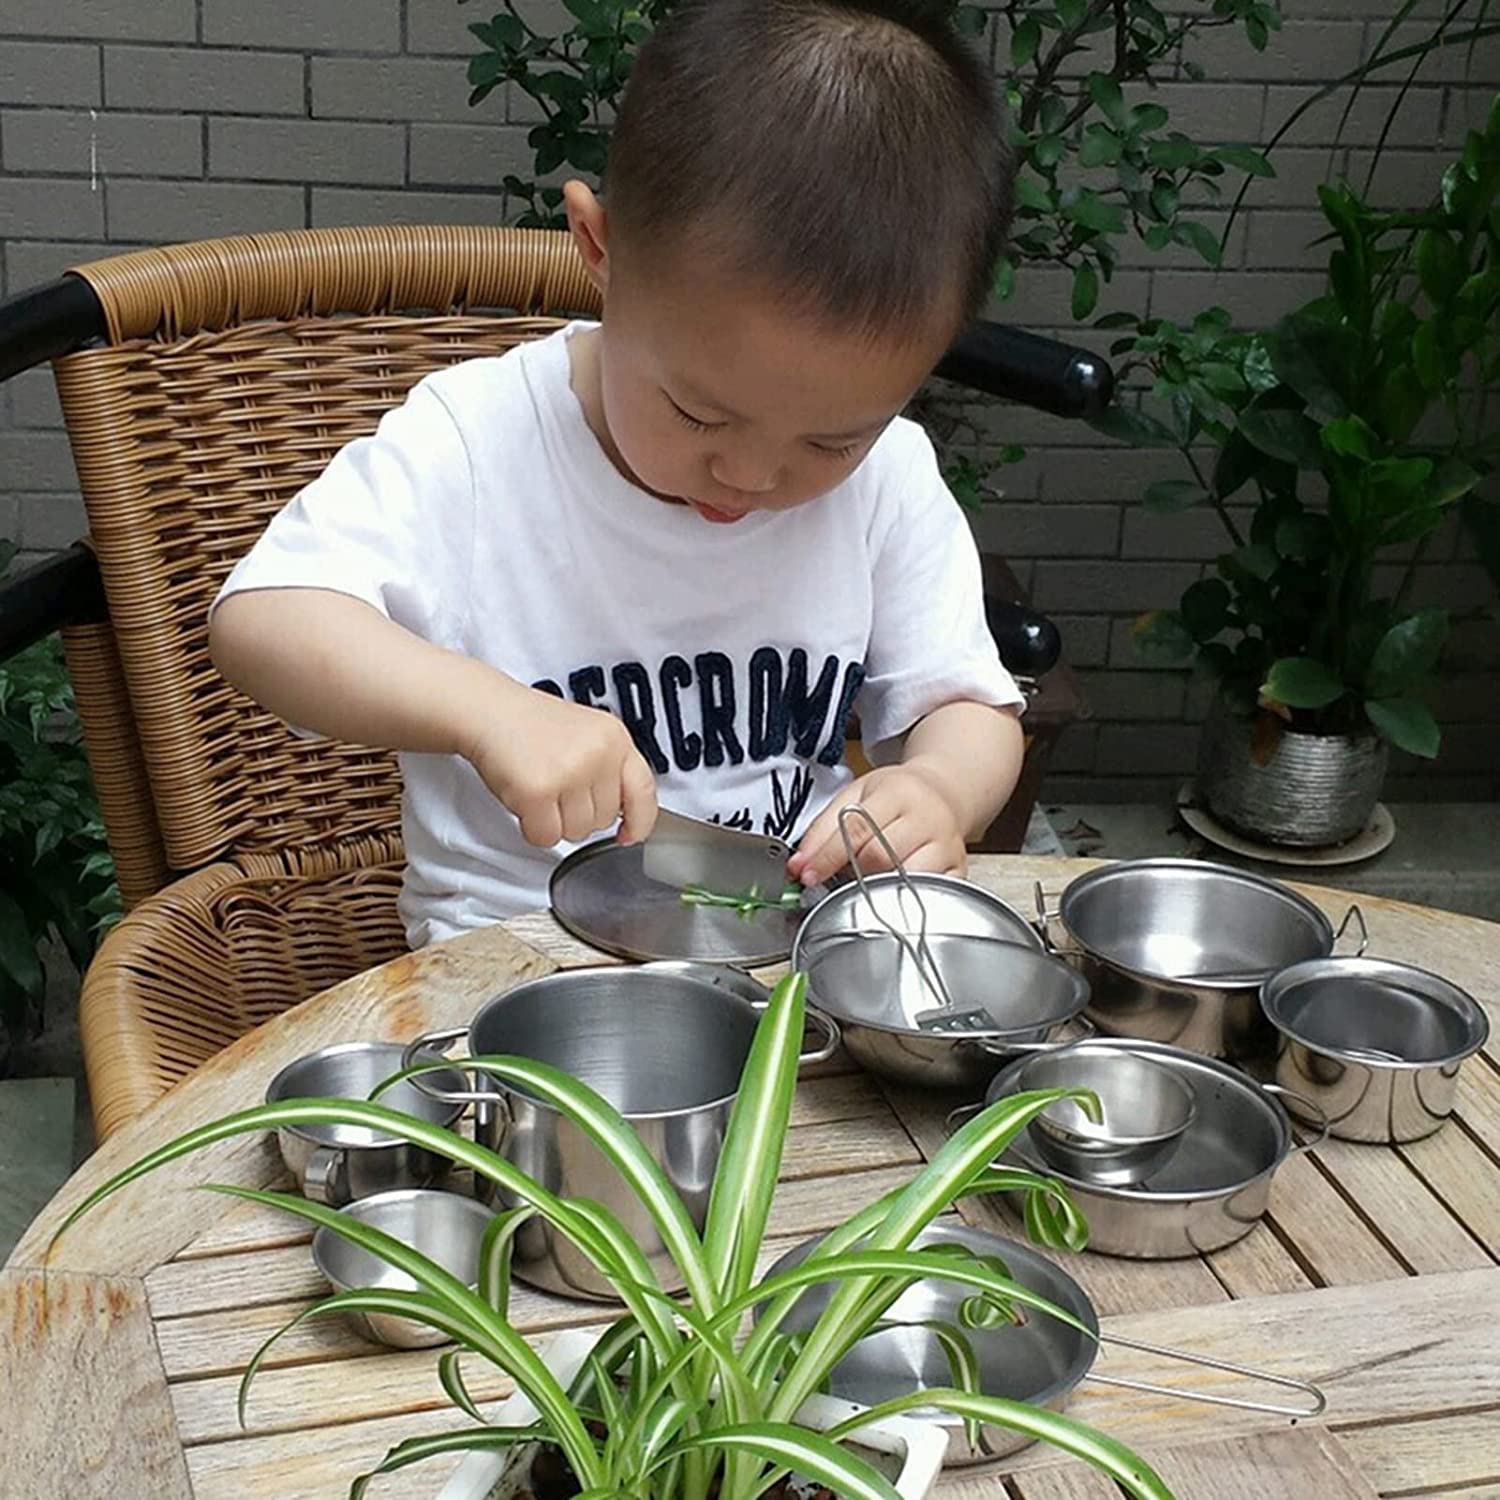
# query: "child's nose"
{"type": "Point", "coordinates": [746, 476]}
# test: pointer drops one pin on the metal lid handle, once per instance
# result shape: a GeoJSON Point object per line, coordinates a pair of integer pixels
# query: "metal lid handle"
{"type": "Point", "coordinates": [1318, 1401]}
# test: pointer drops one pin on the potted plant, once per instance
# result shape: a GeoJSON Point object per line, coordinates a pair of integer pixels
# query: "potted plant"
{"type": "Point", "coordinates": [1355, 427]}
{"type": "Point", "coordinates": [56, 876]}
{"type": "Point", "coordinates": [676, 1399]}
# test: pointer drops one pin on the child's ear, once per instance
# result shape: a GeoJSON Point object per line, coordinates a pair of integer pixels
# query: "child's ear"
{"type": "Point", "coordinates": [589, 226]}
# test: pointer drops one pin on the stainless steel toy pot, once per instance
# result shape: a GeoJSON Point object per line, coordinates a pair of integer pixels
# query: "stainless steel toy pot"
{"type": "Point", "coordinates": [339, 1164]}
{"type": "Point", "coordinates": [1376, 1045]}
{"type": "Point", "coordinates": [665, 1048]}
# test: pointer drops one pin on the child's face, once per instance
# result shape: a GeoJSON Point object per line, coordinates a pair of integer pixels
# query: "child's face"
{"type": "Point", "coordinates": [717, 395]}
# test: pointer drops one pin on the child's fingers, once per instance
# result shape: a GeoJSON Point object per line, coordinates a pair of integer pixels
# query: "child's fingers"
{"type": "Point", "coordinates": [637, 799]}
{"type": "Point", "coordinates": [541, 822]}
{"type": "Point", "coordinates": [823, 853]}
{"type": "Point", "coordinates": [579, 818]}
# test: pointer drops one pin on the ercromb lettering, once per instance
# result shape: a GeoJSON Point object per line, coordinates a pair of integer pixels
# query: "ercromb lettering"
{"type": "Point", "coordinates": [712, 711]}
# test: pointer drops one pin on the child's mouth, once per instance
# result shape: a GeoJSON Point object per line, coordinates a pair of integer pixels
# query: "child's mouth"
{"type": "Point", "coordinates": [718, 517]}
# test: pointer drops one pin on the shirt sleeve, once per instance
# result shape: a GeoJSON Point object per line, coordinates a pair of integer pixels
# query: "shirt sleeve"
{"type": "Point", "coordinates": [930, 644]}
{"type": "Point", "coordinates": [390, 522]}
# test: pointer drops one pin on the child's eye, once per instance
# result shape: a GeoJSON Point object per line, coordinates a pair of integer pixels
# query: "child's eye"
{"type": "Point", "coordinates": [688, 420]}
{"type": "Point", "coordinates": [842, 452]}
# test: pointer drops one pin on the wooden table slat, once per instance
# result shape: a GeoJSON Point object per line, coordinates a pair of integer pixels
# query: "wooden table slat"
{"type": "Point", "coordinates": [1452, 1450]}
{"type": "Point", "coordinates": [1411, 1218]}
{"type": "Point", "coordinates": [1464, 1177]}
{"type": "Point", "coordinates": [1331, 1238]}
{"type": "Point", "coordinates": [1304, 1464]}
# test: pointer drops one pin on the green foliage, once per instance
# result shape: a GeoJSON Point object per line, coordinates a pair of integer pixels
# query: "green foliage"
{"type": "Point", "coordinates": [693, 1404]}
{"type": "Point", "coordinates": [1097, 160]}
{"type": "Point", "coordinates": [56, 876]}
{"type": "Point", "coordinates": [1356, 426]}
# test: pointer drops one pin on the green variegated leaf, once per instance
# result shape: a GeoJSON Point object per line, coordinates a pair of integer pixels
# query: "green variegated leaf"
{"type": "Point", "coordinates": [451, 1378]}
{"type": "Point", "coordinates": [1137, 1478]}
{"type": "Point", "coordinates": [795, 1448]}
{"type": "Point", "coordinates": [466, 1440]}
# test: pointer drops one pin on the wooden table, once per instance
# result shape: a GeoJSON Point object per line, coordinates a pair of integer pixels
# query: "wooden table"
{"type": "Point", "coordinates": [1375, 1275]}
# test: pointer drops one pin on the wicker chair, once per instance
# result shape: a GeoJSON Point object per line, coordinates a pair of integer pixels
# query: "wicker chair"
{"type": "Point", "coordinates": [203, 385]}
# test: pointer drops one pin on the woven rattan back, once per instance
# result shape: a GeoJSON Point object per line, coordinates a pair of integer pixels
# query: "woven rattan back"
{"type": "Point", "coordinates": [235, 369]}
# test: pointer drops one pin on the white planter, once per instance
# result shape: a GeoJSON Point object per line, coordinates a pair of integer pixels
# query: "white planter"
{"type": "Point", "coordinates": [917, 1447]}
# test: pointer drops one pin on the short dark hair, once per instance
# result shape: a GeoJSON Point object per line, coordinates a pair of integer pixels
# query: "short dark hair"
{"type": "Point", "coordinates": [849, 153]}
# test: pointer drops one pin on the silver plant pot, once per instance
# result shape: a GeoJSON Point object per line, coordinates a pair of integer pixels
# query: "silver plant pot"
{"type": "Point", "coordinates": [1315, 790]}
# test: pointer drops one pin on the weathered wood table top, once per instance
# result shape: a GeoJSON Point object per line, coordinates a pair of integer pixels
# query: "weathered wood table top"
{"type": "Point", "coordinates": [1375, 1275]}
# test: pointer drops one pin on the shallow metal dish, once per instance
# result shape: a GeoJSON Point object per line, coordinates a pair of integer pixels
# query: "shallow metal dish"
{"type": "Point", "coordinates": [1215, 1188]}
{"type": "Point", "coordinates": [446, 1227]}
{"type": "Point", "coordinates": [1039, 1361]}
{"type": "Point", "coordinates": [1011, 998]}
{"type": "Point", "coordinates": [1146, 1109]}
{"type": "Point", "coordinates": [1375, 1044]}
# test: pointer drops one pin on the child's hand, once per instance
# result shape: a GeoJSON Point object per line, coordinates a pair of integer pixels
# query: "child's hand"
{"type": "Point", "coordinates": [920, 820]}
{"type": "Point", "coordinates": [564, 770]}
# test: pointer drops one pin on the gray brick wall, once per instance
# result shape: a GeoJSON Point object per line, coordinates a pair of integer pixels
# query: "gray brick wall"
{"type": "Point", "coordinates": [127, 122]}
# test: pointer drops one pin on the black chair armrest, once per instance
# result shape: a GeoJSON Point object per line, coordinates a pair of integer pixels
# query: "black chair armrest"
{"type": "Point", "coordinates": [46, 321]}
{"type": "Point", "coordinates": [59, 591]}
{"type": "Point", "coordinates": [1024, 367]}
{"type": "Point", "coordinates": [1030, 645]}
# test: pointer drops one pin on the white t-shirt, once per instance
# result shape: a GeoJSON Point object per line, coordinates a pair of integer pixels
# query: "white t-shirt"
{"type": "Point", "coordinates": [484, 516]}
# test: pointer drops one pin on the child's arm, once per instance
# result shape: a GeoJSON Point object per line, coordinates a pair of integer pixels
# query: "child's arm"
{"type": "Point", "coordinates": [958, 769]}
{"type": "Point", "coordinates": [332, 664]}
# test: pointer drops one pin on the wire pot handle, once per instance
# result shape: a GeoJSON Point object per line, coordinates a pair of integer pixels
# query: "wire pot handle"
{"type": "Point", "coordinates": [1354, 914]}
{"type": "Point", "coordinates": [1045, 917]}
{"type": "Point", "coordinates": [1000, 1048]}
{"type": "Point", "coordinates": [1318, 1401]}
{"type": "Point", "coordinates": [920, 954]}
{"type": "Point", "coordinates": [438, 1042]}
{"type": "Point", "coordinates": [1316, 1116]}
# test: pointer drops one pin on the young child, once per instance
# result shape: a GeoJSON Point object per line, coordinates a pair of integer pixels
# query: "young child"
{"type": "Point", "coordinates": [702, 515]}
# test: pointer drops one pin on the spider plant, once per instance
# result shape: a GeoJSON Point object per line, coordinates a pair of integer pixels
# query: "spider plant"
{"type": "Point", "coordinates": [690, 1396]}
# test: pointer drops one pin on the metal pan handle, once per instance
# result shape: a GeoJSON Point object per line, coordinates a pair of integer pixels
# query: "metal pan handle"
{"type": "Point", "coordinates": [832, 1037]}
{"type": "Point", "coordinates": [1318, 1401]}
{"type": "Point", "coordinates": [438, 1042]}
{"type": "Point", "coordinates": [1315, 1111]}
{"type": "Point", "coordinates": [998, 1048]}
{"type": "Point", "coordinates": [956, 1118]}
{"type": "Point", "coordinates": [1044, 917]}
{"type": "Point", "coordinates": [1354, 914]}
{"type": "Point", "coordinates": [325, 1177]}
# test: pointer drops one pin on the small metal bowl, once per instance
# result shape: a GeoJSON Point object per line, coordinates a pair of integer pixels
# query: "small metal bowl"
{"type": "Point", "coordinates": [1375, 1044]}
{"type": "Point", "coordinates": [1147, 1110]}
{"type": "Point", "coordinates": [446, 1227]}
